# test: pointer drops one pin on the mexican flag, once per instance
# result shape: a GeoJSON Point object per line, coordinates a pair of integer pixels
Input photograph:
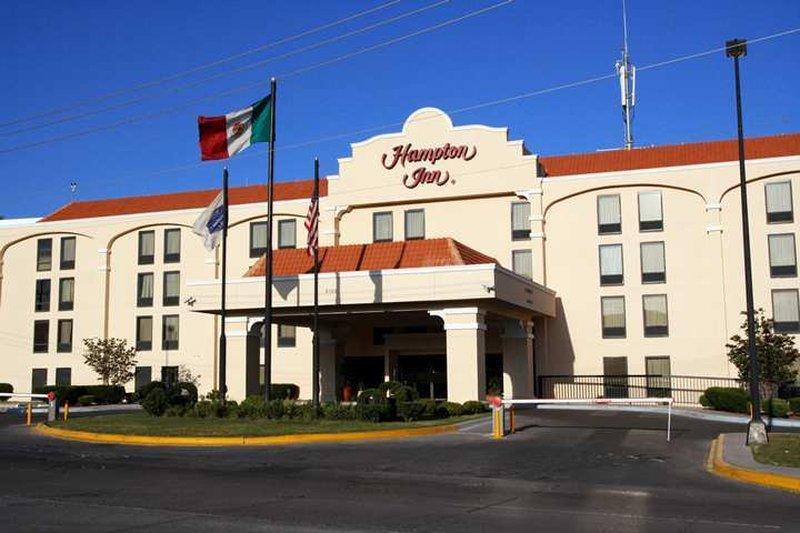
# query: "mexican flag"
{"type": "Point", "coordinates": [227, 135]}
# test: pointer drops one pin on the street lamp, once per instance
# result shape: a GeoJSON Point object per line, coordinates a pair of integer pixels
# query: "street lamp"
{"type": "Point", "coordinates": [756, 430]}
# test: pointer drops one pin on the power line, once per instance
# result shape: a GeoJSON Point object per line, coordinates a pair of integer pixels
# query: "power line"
{"type": "Point", "coordinates": [240, 88]}
{"type": "Point", "coordinates": [228, 72]}
{"type": "Point", "coordinates": [206, 66]}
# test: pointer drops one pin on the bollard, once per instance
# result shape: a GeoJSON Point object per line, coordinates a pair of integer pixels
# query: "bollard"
{"type": "Point", "coordinates": [52, 407]}
{"type": "Point", "coordinates": [66, 411]}
{"type": "Point", "coordinates": [29, 413]}
{"type": "Point", "coordinates": [498, 422]}
{"type": "Point", "coordinates": [512, 417]}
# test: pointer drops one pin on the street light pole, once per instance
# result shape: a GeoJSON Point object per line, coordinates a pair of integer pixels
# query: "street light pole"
{"type": "Point", "coordinates": [756, 430]}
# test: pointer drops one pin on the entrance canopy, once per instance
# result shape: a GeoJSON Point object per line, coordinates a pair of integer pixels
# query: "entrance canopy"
{"type": "Point", "coordinates": [391, 276]}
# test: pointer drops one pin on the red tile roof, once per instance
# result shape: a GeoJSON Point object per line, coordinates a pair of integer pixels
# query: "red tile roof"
{"type": "Point", "coordinates": [182, 200]}
{"type": "Point", "coordinates": [375, 256]}
{"type": "Point", "coordinates": [669, 155]}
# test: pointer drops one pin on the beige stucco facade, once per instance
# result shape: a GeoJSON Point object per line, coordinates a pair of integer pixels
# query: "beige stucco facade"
{"type": "Point", "coordinates": [453, 315]}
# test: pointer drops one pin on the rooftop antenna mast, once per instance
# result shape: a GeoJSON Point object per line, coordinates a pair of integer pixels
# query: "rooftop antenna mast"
{"type": "Point", "coordinates": [627, 82]}
{"type": "Point", "coordinates": [73, 188]}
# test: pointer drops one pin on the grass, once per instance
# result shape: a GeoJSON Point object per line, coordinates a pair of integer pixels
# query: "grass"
{"type": "Point", "coordinates": [144, 424]}
{"type": "Point", "coordinates": [782, 450]}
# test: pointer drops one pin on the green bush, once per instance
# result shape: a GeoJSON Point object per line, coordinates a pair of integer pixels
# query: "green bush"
{"type": "Point", "coordinates": [281, 391]}
{"type": "Point", "coordinates": [300, 411]}
{"type": "Point", "coordinates": [729, 399]}
{"type": "Point", "coordinates": [231, 409]}
{"type": "Point", "coordinates": [6, 388]}
{"type": "Point", "coordinates": [183, 394]}
{"type": "Point", "coordinates": [473, 407]}
{"type": "Point", "coordinates": [276, 409]}
{"type": "Point", "coordinates": [794, 405]}
{"type": "Point", "coordinates": [410, 411]}
{"type": "Point", "coordinates": [106, 394]}
{"type": "Point", "coordinates": [777, 408]}
{"type": "Point", "coordinates": [143, 391]}
{"type": "Point", "coordinates": [203, 409]}
{"type": "Point", "coordinates": [156, 402]}
{"type": "Point", "coordinates": [374, 412]}
{"type": "Point", "coordinates": [86, 399]}
{"type": "Point", "coordinates": [253, 407]}
{"type": "Point", "coordinates": [175, 410]}
{"type": "Point", "coordinates": [453, 408]}
{"type": "Point", "coordinates": [370, 396]}
{"type": "Point", "coordinates": [69, 394]}
{"type": "Point", "coordinates": [337, 411]}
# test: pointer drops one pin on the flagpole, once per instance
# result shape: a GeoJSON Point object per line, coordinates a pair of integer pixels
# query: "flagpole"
{"type": "Point", "coordinates": [223, 352]}
{"type": "Point", "coordinates": [315, 361]}
{"type": "Point", "coordinates": [268, 258]}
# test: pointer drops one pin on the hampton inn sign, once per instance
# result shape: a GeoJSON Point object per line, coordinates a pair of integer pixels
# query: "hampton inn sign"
{"type": "Point", "coordinates": [407, 153]}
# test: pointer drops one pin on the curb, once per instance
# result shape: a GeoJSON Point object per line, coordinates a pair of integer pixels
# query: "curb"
{"type": "Point", "coordinates": [274, 440]}
{"type": "Point", "coordinates": [717, 465]}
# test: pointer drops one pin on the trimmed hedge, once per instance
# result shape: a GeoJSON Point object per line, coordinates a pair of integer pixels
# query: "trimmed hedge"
{"type": "Point", "coordinates": [103, 394]}
{"type": "Point", "coordinates": [281, 391]}
{"type": "Point", "coordinates": [86, 399]}
{"type": "Point", "coordinates": [728, 399]}
{"type": "Point", "coordinates": [6, 388]}
{"type": "Point", "coordinates": [777, 408]}
{"type": "Point", "coordinates": [794, 405]}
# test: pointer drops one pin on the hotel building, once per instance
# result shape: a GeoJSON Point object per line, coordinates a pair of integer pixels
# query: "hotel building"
{"type": "Point", "coordinates": [452, 258]}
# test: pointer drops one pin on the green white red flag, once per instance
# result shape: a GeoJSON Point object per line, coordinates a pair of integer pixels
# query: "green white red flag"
{"type": "Point", "coordinates": [226, 135]}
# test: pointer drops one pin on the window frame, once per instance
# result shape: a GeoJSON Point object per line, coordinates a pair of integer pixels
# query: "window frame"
{"type": "Point", "coordinates": [609, 229]}
{"type": "Point", "coordinates": [170, 344]}
{"type": "Point", "coordinates": [655, 331]}
{"type": "Point", "coordinates": [172, 257]}
{"type": "Point", "coordinates": [614, 281]}
{"type": "Point", "coordinates": [405, 224]}
{"type": "Point", "coordinates": [39, 253]}
{"type": "Point", "coordinates": [782, 271]}
{"type": "Point", "coordinates": [64, 264]}
{"type": "Point", "coordinates": [785, 327]}
{"type": "Point", "coordinates": [514, 253]}
{"type": "Point", "coordinates": [143, 346]}
{"type": "Point", "coordinates": [614, 333]}
{"type": "Point", "coordinates": [62, 304]}
{"type": "Point", "coordinates": [655, 277]}
{"type": "Point", "coordinates": [293, 223]}
{"type": "Point", "coordinates": [137, 386]}
{"type": "Point", "coordinates": [145, 259]}
{"type": "Point", "coordinates": [285, 341]}
{"type": "Point", "coordinates": [654, 391]}
{"type": "Point", "coordinates": [64, 348]}
{"type": "Point", "coordinates": [648, 226]}
{"type": "Point", "coordinates": [256, 252]}
{"type": "Point", "coordinates": [40, 304]}
{"type": "Point", "coordinates": [781, 219]}
{"type": "Point", "coordinates": [144, 302]}
{"type": "Point", "coordinates": [390, 216]}
{"type": "Point", "coordinates": [166, 299]}
{"type": "Point", "coordinates": [35, 372]}
{"type": "Point", "coordinates": [42, 346]}
{"type": "Point", "coordinates": [616, 382]}
{"type": "Point", "coordinates": [167, 373]}
{"type": "Point", "coordinates": [64, 371]}
{"type": "Point", "coordinates": [520, 234]}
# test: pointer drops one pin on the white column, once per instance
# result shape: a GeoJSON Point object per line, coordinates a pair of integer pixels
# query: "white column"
{"type": "Point", "coordinates": [104, 270]}
{"type": "Point", "coordinates": [327, 365]}
{"type": "Point", "coordinates": [517, 359]}
{"type": "Point", "coordinates": [465, 332]}
{"type": "Point", "coordinates": [534, 197]}
{"type": "Point", "coordinates": [236, 358]}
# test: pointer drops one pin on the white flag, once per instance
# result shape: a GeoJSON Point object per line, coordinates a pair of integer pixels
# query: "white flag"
{"type": "Point", "coordinates": [209, 224]}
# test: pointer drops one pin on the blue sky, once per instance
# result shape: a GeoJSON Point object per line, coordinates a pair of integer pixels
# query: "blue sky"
{"type": "Point", "coordinates": [61, 55]}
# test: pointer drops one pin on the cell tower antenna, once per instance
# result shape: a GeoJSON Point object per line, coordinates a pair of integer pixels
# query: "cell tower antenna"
{"type": "Point", "coordinates": [627, 81]}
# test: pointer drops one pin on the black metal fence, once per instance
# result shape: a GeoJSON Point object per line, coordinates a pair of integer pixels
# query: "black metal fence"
{"type": "Point", "coordinates": [685, 390]}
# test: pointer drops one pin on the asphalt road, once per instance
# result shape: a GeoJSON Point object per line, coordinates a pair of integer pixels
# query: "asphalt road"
{"type": "Point", "coordinates": [565, 471]}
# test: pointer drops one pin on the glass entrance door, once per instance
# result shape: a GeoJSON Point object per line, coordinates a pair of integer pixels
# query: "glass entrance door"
{"type": "Point", "coordinates": [425, 373]}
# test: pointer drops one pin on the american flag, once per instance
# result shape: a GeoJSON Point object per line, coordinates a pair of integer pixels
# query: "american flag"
{"type": "Point", "coordinates": [312, 225]}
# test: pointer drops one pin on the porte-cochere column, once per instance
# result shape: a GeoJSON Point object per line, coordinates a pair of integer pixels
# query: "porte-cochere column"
{"type": "Point", "coordinates": [465, 332]}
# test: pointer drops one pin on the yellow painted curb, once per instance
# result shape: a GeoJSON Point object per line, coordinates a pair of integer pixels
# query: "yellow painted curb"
{"type": "Point", "coordinates": [273, 440]}
{"type": "Point", "coordinates": [717, 465]}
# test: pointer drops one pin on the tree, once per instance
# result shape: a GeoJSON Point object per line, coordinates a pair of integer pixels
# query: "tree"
{"type": "Point", "coordinates": [776, 353]}
{"type": "Point", "coordinates": [111, 358]}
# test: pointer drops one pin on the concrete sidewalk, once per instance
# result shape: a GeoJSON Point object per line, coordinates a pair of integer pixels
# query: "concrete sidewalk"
{"type": "Point", "coordinates": [730, 457]}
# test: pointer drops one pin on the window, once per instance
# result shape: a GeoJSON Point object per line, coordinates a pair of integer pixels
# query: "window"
{"type": "Point", "coordinates": [658, 374]}
{"type": "Point", "coordinates": [63, 377]}
{"type": "Point", "coordinates": [169, 375]}
{"type": "Point", "coordinates": [64, 343]}
{"type": "Point", "coordinates": [41, 334]}
{"type": "Point", "coordinates": [609, 218]}
{"type": "Point", "coordinates": [67, 256]}
{"type": "Point", "coordinates": [147, 247]}
{"type": "Point", "coordinates": [414, 224]}
{"type": "Point", "coordinates": [382, 227]}
{"type": "Point", "coordinates": [779, 201]}
{"type": "Point", "coordinates": [287, 234]}
{"type": "Point", "coordinates": [142, 376]}
{"type": "Point", "coordinates": [520, 221]}
{"type": "Point", "coordinates": [42, 301]}
{"type": "Point", "coordinates": [615, 377]}
{"type": "Point", "coordinates": [655, 315]}
{"type": "Point", "coordinates": [44, 254]}
{"type": "Point", "coordinates": [522, 263]}
{"type": "Point", "coordinates": [786, 310]}
{"type": "Point", "coordinates": [172, 288]}
{"type": "Point", "coordinates": [144, 333]}
{"type": "Point", "coordinates": [38, 379]}
{"type": "Point", "coordinates": [169, 332]}
{"type": "Point", "coordinates": [286, 336]}
{"type": "Point", "coordinates": [258, 239]}
{"type": "Point", "coordinates": [651, 217]}
{"type": "Point", "coordinates": [613, 316]}
{"type": "Point", "coordinates": [653, 264]}
{"type": "Point", "coordinates": [782, 256]}
{"type": "Point", "coordinates": [66, 294]}
{"type": "Point", "coordinates": [144, 290]}
{"type": "Point", "coordinates": [611, 264]}
{"type": "Point", "coordinates": [172, 245]}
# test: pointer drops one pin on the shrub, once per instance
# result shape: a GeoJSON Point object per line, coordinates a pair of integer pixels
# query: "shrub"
{"type": "Point", "coordinates": [453, 408]}
{"type": "Point", "coordinates": [252, 407]}
{"type": "Point", "coordinates": [231, 409]}
{"type": "Point", "coordinates": [370, 396]}
{"type": "Point", "coordinates": [276, 409]}
{"type": "Point", "coordinates": [175, 410]}
{"type": "Point", "coordinates": [183, 394]}
{"type": "Point", "coordinates": [5, 388]}
{"type": "Point", "coordinates": [203, 409]}
{"type": "Point", "coordinates": [410, 411]}
{"type": "Point", "coordinates": [794, 405]}
{"type": "Point", "coordinates": [374, 412]}
{"type": "Point", "coordinates": [86, 399]}
{"type": "Point", "coordinates": [281, 391]}
{"type": "Point", "coordinates": [729, 399]}
{"type": "Point", "coordinates": [777, 408]}
{"type": "Point", "coordinates": [473, 407]}
{"type": "Point", "coordinates": [64, 394]}
{"type": "Point", "coordinates": [337, 411]}
{"type": "Point", "coordinates": [143, 391]}
{"type": "Point", "coordinates": [156, 402]}
{"type": "Point", "coordinates": [106, 394]}
{"type": "Point", "coordinates": [300, 411]}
